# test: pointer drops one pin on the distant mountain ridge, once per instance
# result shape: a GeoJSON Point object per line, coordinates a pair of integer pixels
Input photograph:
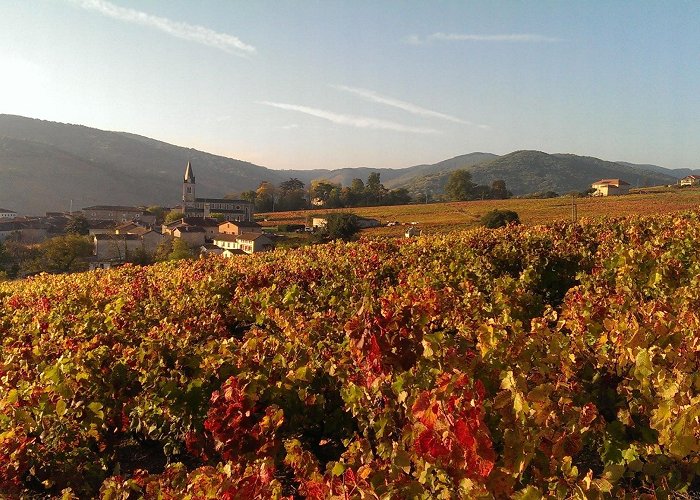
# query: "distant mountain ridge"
{"type": "Point", "coordinates": [529, 171]}
{"type": "Point", "coordinates": [536, 171]}
{"type": "Point", "coordinates": [47, 166]}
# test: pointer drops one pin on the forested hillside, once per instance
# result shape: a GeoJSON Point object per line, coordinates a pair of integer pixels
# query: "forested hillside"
{"type": "Point", "coordinates": [521, 362]}
{"type": "Point", "coordinates": [527, 172]}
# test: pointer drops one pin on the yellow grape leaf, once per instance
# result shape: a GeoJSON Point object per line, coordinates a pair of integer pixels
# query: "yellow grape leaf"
{"type": "Point", "coordinates": [643, 367]}
{"type": "Point", "coordinates": [60, 407]}
{"type": "Point", "coordinates": [540, 393]}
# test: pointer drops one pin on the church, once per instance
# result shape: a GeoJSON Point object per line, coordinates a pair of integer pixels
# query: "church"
{"type": "Point", "coordinates": [231, 210]}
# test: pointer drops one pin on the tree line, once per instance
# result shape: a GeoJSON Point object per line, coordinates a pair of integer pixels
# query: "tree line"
{"type": "Point", "coordinates": [460, 187]}
{"type": "Point", "coordinates": [294, 195]}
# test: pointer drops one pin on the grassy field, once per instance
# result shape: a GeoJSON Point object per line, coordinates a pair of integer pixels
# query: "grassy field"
{"type": "Point", "coordinates": [445, 217]}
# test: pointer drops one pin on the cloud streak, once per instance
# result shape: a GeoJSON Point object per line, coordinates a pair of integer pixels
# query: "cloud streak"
{"type": "Point", "coordinates": [372, 96]}
{"type": "Point", "coordinates": [351, 120]}
{"type": "Point", "coordinates": [193, 33]}
{"type": "Point", "coordinates": [467, 37]}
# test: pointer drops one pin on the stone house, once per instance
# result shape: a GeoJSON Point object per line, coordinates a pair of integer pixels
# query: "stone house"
{"type": "Point", "coordinates": [241, 227]}
{"type": "Point", "coordinates": [116, 247]}
{"type": "Point", "coordinates": [209, 225]}
{"type": "Point", "coordinates": [26, 231]}
{"type": "Point", "coordinates": [119, 213]}
{"type": "Point", "coordinates": [194, 236]}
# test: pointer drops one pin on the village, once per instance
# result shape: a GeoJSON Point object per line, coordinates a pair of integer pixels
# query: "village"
{"type": "Point", "coordinates": [204, 226]}
{"type": "Point", "coordinates": [120, 234]}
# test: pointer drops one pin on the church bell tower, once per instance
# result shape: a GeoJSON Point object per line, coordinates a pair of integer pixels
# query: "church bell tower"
{"type": "Point", "coordinates": [188, 193]}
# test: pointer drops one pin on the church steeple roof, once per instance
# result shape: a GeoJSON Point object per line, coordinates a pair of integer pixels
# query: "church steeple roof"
{"type": "Point", "coordinates": [189, 174]}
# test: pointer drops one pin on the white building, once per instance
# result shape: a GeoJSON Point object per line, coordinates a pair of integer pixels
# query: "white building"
{"type": "Point", "coordinates": [7, 214]}
{"type": "Point", "coordinates": [610, 187]}
{"type": "Point", "coordinates": [690, 180]}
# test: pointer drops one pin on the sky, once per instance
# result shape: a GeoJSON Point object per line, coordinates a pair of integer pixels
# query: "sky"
{"type": "Point", "coordinates": [332, 84]}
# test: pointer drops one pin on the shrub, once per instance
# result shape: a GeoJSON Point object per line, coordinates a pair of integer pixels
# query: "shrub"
{"type": "Point", "coordinates": [499, 218]}
{"type": "Point", "coordinates": [289, 228]}
{"type": "Point", "coordinates": [341, 226]}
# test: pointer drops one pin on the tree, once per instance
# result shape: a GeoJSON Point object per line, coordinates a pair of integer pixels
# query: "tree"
{"type": "Point", "coordinates": [499, 218]}
{"type": "Point", "coordinates": [293, 184]}
{"type": "Point", "coordinates": [335, 198]}
{"type": "Point", "coordinates": [5, 257]}
{"type": "Point", "coordinates": [249, 196]}
{"type": "Point", "coordinates": [374, 189]}
{"type": "Point", "coordinates": [77, 225]}
{"type": "Point", "coordinates": [357, 186]}
{"type": "Point", "coordinates": [6, 263]}
{"type": "Point", "coordinates": [480, 192]}
{"type": "Point", "coordinates": [61, 254]}
{"type": "Point", "coordinates": [265, 197]}
{"type": "Point", "coordinates": [340, 226]}
{"type": "Point", "coordinates": [139, 256]}
{"type": "Point", "coordinates": [17, 254]}
{"type": "Point", "coordinates": [499, 191]}
{"type": "Point", "coordinates": [172, 216]}
{"type": "Point", "coordinates": [158, 211]}
{"type": "Point", "coordinates": [321, 190]}
{"type": "Point", "coordinates": [354, 196]}
{"type": "Point", "coordinates": [180, 250]}
{"type": "Point", "coordinates": [398, 196]}
{"type": "Point", "coordinates": [292, 195]}
{"type": "Point", "coordinates": [163, 250]}
{"type": "Point", "coordinates": [459, 187]}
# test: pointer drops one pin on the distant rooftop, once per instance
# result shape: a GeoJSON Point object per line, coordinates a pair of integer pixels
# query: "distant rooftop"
{"type": "Point", "coordinates": [115, 208]}
{"type": "Point", "coordinates": [219, 200]}
{"type": "Point", "coordinates": [241, 223]}
{"type": "Point", "coordinates": [117, 237]}
{"type": "Point", "coordinates": [614, 182]}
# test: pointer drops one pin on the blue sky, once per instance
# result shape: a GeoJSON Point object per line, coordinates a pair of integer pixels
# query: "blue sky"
{"type": "Point", "coordinates": [329, 84]}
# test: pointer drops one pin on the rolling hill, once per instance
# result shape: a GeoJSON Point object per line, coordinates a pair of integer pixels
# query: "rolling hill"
{"type": "Point", "coordinates": [534, 171]}
{"type": "Point", "coordinates": [47, 165]}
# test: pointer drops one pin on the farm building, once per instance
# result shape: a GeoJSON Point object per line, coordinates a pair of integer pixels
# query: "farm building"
{"type": "Point", "coordinates": [690, 180]}
{"type": "Point", "coordinates": [610, 187]}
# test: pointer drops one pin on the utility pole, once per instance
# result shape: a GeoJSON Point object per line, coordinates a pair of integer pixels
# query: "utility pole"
{"type": "Point", "coordinates": [574, 209]}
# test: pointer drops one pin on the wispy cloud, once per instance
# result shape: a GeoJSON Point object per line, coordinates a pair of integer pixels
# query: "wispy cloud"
{"type": "Point", "coordinates": [291, 126]}
{"type": "Point", "coordinates": [372, 96]}
{"type": "Point", "coordinates": [467, 37]}
{"type": "Point", "coordinates": [193, 33]}
{"type": "Point", "coordinates": [351, 120]}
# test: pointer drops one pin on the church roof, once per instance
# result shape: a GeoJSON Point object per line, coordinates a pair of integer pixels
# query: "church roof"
{"type": "Point", "coordinates": [222, 200]}
{"type": "Point", "coordinates": [189, 173]}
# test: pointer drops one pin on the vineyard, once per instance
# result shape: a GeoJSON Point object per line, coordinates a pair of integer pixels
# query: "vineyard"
{"type": "Point", "coordinates": [441, 218]}
{"type": "Point", "coordinates": [557, 361]}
